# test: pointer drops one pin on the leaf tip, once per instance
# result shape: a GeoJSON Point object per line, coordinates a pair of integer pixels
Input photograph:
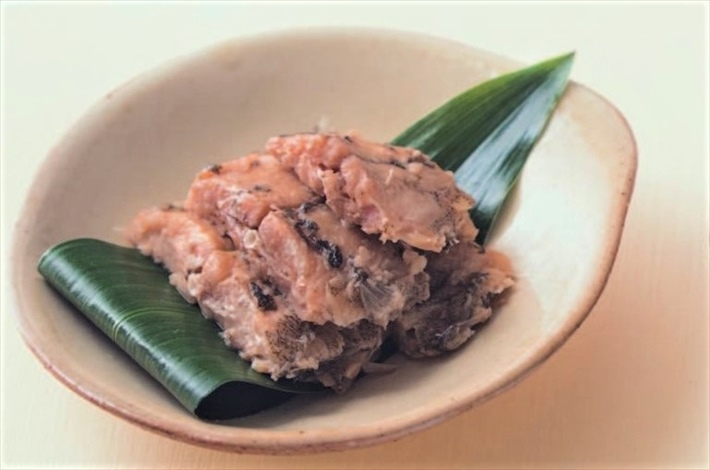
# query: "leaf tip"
{"type": "Point", "coordinates": [561, 64]}
{"type": "Point", "coordinates": [569, 57]}
{"type": "Point", "coordinates": [565, 59]}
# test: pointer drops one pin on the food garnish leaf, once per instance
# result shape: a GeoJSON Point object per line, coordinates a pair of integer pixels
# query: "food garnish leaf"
{"type": "Point", "coordinates": [129, 298]}
{"type": "Point", "coordinates": [486, 133]}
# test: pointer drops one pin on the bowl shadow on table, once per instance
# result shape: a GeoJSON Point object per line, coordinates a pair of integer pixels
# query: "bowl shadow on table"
{"type": "Point", "coordinates": [630, 345]}
{"type": "Point", "coordinates": [608, 365]}
{"type": "Point", "coordinates": [614, 365]}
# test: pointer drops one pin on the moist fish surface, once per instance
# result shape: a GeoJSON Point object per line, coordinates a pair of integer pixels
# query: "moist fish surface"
{"type": "Point", "coordinates": [464, 281]}
{"type": "Point", "coordinates": [396, 193]}
{"type": "Point", "coordinates": [298, 292]}
{"type": "Point", "coordinates": [309, 255]}
{"type": "Point", "coordinates": [238, 194]}
{"type": "Point", "coordinates": [181, 241]}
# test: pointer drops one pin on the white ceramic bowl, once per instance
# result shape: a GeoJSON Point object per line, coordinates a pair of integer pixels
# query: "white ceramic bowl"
{"type": "Point", "coordinates": [142, 144]}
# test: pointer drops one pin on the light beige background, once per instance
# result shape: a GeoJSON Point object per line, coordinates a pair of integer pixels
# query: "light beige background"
{"type": "Point", "coordinates": [630, 389]}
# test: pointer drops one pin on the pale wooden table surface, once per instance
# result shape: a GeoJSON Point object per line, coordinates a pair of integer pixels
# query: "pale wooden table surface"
{"type": "Point", "coordinates": [630, 389]}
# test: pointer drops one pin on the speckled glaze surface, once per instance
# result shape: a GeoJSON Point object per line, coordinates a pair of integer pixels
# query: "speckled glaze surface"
{"type": "Point", "coordinates": [142, 144]}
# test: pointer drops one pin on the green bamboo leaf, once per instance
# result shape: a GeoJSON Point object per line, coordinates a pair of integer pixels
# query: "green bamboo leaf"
{"type": "Point", "coordinates": [129, 298]}
{"type": "Point", "coordinates": [486, 133]}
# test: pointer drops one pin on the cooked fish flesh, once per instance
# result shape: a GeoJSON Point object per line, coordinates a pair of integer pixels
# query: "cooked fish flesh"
{"type": "Point", "coordinates": [256, 318]}
{"type": "Point", "coordinates": [240, 193]}
{"type": "Point", "coordinates": [464, 281]}
{"type": "Point", "coordinates": [396, 193]}
{"type": "Point", "coordinates": [309, 255]}
{"type": "Point", "coordinates": [181, 241]}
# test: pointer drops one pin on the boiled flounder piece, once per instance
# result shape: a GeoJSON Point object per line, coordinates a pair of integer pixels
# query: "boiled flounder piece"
{"type": "Point", "coordinates": [310, 254]}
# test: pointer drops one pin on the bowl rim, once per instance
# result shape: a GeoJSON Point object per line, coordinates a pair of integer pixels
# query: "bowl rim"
{"type": "Point", "coordinates": [266, 441]}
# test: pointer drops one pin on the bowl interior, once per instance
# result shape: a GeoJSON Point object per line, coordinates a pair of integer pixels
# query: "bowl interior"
{"type": "Point", "coordinates": [142, 144]}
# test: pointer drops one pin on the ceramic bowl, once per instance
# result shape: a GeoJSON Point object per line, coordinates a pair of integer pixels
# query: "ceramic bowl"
{"type": "Point", "coordinates": [142, 144]}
